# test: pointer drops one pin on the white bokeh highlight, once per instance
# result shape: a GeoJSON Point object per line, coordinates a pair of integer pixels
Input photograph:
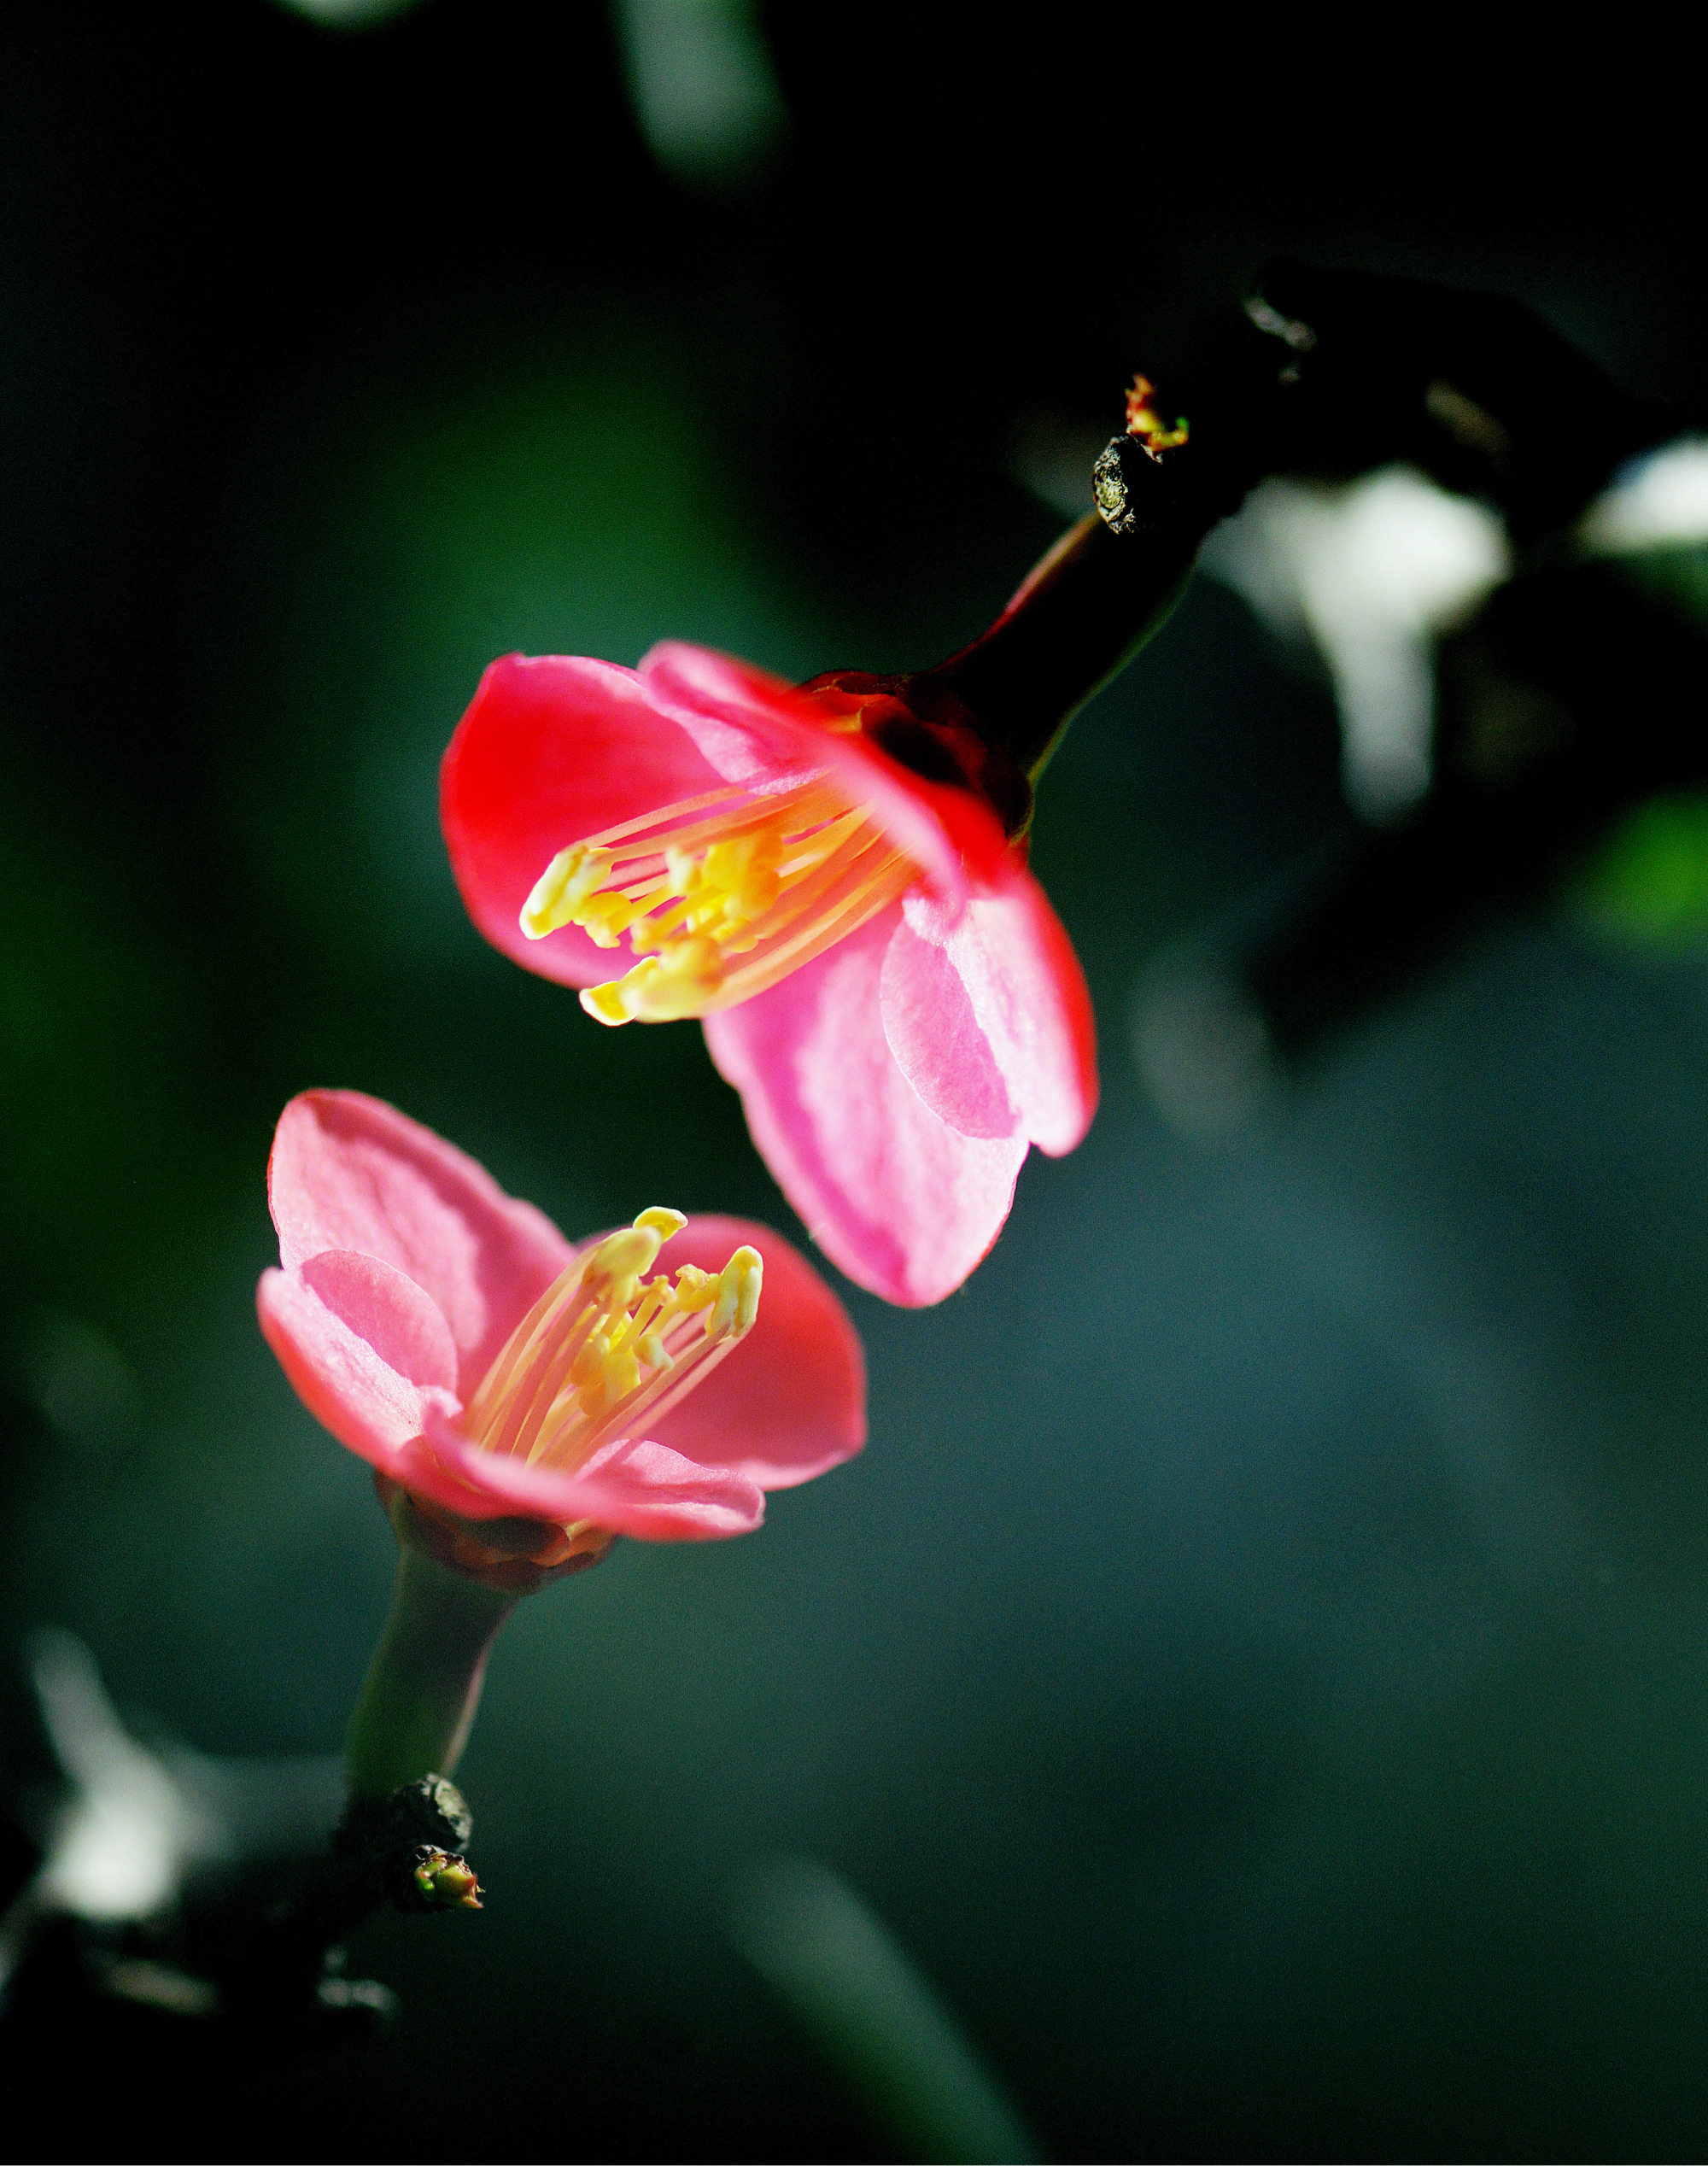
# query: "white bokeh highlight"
{"type": "Point", "coordinates": [1369, 571]}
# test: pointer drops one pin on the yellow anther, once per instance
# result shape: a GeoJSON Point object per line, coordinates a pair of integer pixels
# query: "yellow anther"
{"type": "Point", "coordinates": [738, 1295]}
{"type": "Point", "coordinates": [684, 868]}
{"type": "Point", "coordinates": [649, 1349]}
{"type": "Point", "coordinates": [731, 866]}
{"type": "Point", "coordinates": [759, 890]}
{"type": "Point", "coordinates": [679, 982]}
{"type": "Point", "coordinates": [615, 1002]}
{"type": "Point", "coordinates": [590, 1360]}
{"type": "Point", "coordinates": [753, 1268]}
{"type": "Point", "coordinates": [663, 1220]}
{"type": "Point", "coordinates": [561, 890]}
{"type": "Point", "coordinates": [695, 1289]}
{"type": "Point", "coordinates": [606, 917]}
{"type": "Point", "coordinates": [619, 1374]}
{"type": "Point", "coordinates": [653, 931]}
{"type": "Point", "coordinates": [618, 1261]}
{"type": "Point", "coordinates": [724, 863]}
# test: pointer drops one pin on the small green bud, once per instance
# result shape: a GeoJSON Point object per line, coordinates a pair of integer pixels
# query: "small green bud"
{"type": "Point", "coordinates": [444, 1881]}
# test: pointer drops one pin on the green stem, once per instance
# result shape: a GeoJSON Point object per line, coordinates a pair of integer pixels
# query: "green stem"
{"type": "Point", "coordinates": [418, 1701]}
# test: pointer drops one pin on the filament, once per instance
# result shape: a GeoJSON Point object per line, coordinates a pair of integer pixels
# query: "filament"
{"type": "Point", "coordinates": [719, 896]}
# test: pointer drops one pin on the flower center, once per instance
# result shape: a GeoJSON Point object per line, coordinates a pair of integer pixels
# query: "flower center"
{"type": "Point", "coordinates": [719, 896]}
{"type": "Point", "coordinates": [605, 1347]}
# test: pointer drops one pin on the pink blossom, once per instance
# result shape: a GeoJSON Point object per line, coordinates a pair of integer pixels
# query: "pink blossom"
{"type": "Point", "coordinates": [825, 875]}
{"type": "Point", "coordinates": [449, 1334]}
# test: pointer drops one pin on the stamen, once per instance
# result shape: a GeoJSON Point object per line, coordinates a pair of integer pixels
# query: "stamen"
{"type": "Point", "coordinates": [604, 1346]}
{"type": "Point", "coordinates": [719, 896]}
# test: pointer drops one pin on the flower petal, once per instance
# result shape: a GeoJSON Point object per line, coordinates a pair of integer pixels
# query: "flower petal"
{"type": "Point", "coordinates": [553, 748]}
{"type": "Point", "coordinates": [789, 1402]}
{"type": "Point", "coordinates": [632, 1486]}
{"type": "Point", "coordinates": [646, 1489]}
{"type": "Point", "coordinates": [349, 1171]}
{"type": "Point", "coordinates": [1022, 996]}
{"type": "Point", "coordinates": [935, 1036]}
{"type": "Point", "coordinates": [367, 1350]}
{"type": "Point", "coordinates": [756, 729]}
{"type": "Point", "coordinates": [903, 1203]}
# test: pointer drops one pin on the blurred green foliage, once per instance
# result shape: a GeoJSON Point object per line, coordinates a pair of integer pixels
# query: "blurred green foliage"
{"type": "Point", "coordinates": [1649, 881]}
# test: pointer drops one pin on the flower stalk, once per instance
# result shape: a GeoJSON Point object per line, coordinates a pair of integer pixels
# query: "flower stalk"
{"type": "Point", "coordinates": [1077, 619]}
{"type": "Point", "coordinates": [417, 1705]}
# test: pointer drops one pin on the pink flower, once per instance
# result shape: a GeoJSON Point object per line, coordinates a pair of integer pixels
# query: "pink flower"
{"type": "Point", "coordinates": [450, 1335]}
{"type": "Point", "coordinates": [825, 875]}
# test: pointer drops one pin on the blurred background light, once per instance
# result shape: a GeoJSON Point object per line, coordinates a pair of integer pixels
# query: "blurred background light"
{"type": "Point", "coordinates": [1660, 499]}
{"type": "Point", "coordinates": [349, 15]}
{"type": "Point", "coordinates": [704, 92]}
{"type": "Point", "coordinates": [1370, 571]}
{"type": "Point", "coordinates": [127, 1834]}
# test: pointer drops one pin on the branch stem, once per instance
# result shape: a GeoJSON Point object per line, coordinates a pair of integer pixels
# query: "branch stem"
{"type": "Point", "coordinates": [1080, 617]}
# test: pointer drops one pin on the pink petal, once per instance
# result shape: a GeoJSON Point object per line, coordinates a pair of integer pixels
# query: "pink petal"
{"type": "Point", "coordinates": [903, 1203]}
{"type": "Point", "coordinates": [349, 1172]}
{"type": "Point", "coordinates": [1022, 997]}
{"type": "Point", "coordinates": [789, 1402]}
{"type": "Point", "coordinates": [756, 729]}
{"type": "Point", "coordinates": [950, 832]}
{"type": "Point", "coordinates": [753, 728]}
{"type": "Point", "coordinates": [367, 1350]}
{"type": "Point", "coordinates": [553, 748]}
{"type": "Point", "coordinates": [934, 1035]}
{"type": "Point", "coordinates": [634, 1487]}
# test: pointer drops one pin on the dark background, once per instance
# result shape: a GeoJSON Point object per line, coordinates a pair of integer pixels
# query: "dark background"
{"type": "Point", "coordinates": [1258, 1667]}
